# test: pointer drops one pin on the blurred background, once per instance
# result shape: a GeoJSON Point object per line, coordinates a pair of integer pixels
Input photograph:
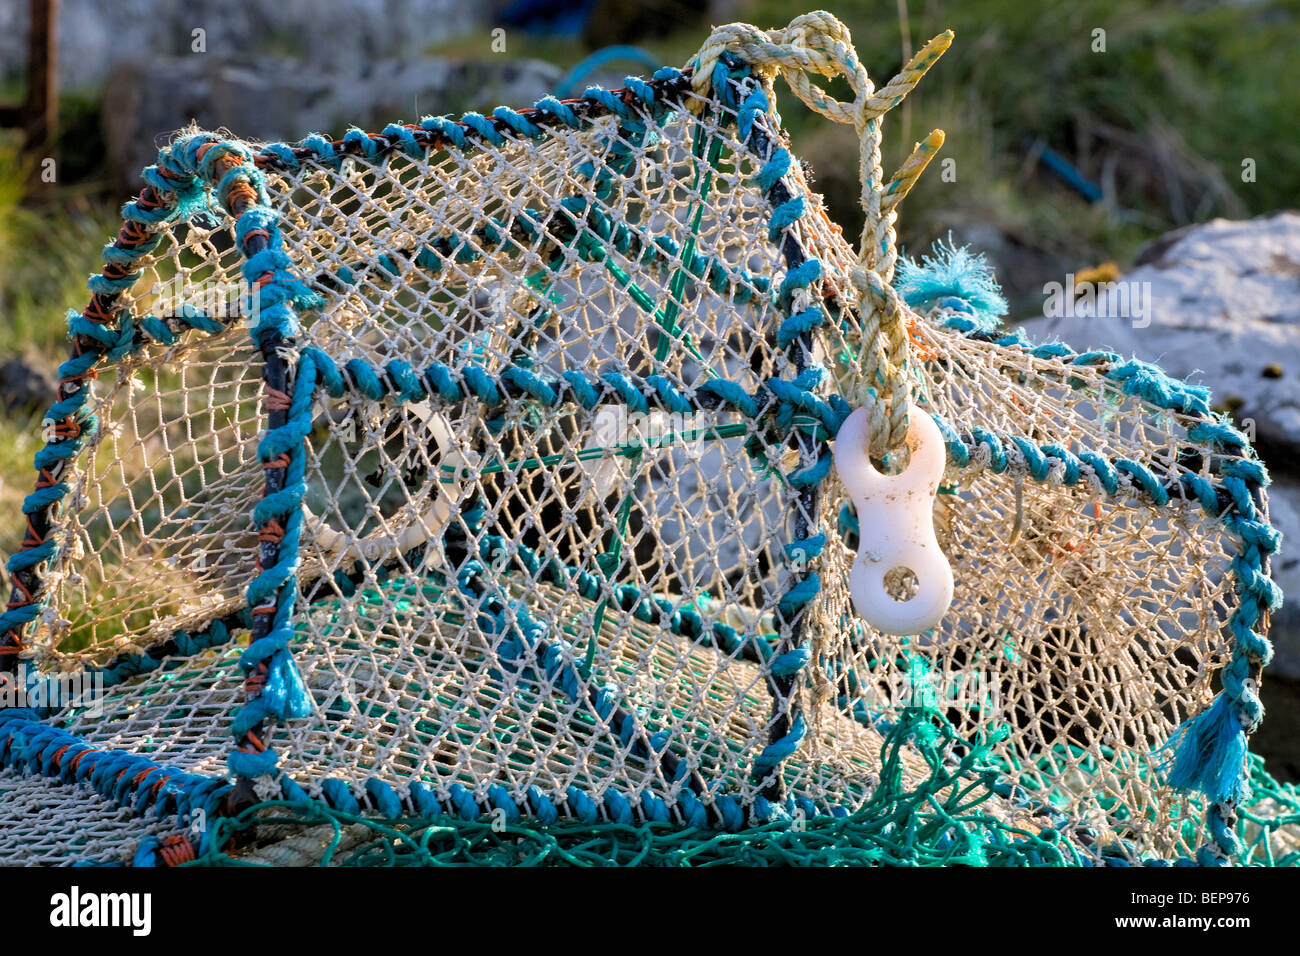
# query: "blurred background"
{"type": "Point", "coordinates": [1087, 138]}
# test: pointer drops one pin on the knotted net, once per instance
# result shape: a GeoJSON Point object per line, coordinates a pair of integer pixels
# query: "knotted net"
{"type": "Point", "coordinates": [474, 477]}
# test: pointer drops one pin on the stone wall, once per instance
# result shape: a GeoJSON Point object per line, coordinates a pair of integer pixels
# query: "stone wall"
{"type": "Point", "coordinates": [95, 36]}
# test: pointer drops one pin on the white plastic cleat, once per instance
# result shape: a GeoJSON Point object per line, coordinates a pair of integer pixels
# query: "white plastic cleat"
{"type": "Point", "coordinates": [896, 526]}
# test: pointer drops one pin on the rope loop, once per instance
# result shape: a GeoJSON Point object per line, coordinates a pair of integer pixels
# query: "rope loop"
{"type": "Point", "coordinates": [819, 44]}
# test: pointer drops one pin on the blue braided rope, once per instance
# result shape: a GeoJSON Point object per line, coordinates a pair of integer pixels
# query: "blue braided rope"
{"type": "Point", "coordinates": [272, 308]}
{"type": "Point", "coordinates": [284, 696]}
{"type": "Point", "coordinates": [810, 419]}
{"type": "Point", "coordinates": [419, 800]}
{"type": "Point", "coordinates": [524, 639]}
{"type": "Point", "coordinates": [181, 194]}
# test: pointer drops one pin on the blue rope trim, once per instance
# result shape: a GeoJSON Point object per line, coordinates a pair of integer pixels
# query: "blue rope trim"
{"type": "Point", "coordinates": [182, 194]}
{"type": "Point", "coordinates": [789, 403]}
{"type": "Point", "coordinates": [683, 620]}
{"type": "Point", "coordinates": [527, 644]}
{"type": "Point", "coordinates": [955, 279]}
{"type": "Point", "coordinates": [456, 802]}
{"type": "Point", "coordinates": [799, 409]}
{"type": "Point", "coordinates": [634, 103]}
{"type": "Point", "coordinates": [1209, 749]}
{"type": "Point", "coordinates": [284, 695]}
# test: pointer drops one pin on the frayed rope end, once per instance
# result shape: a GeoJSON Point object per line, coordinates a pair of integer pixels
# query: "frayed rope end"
{"type": "Point", "coordinates": [1209, 754]}
{"type": "Point", "coordinates": [956, 277]}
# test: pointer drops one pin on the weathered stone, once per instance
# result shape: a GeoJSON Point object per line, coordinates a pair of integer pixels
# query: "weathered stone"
{"type": "Point", "coordinates": [94, 36]}
{"type": "Point", "coordinates": [27, 383]}
{"type": "Point", "coordinates": [273, 99]}
{"type": "Point", "coordinates": [1284, 506]}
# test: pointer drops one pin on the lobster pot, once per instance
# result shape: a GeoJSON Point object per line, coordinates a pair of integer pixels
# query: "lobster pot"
{"type": "Point", "coordinates": [483, 467]}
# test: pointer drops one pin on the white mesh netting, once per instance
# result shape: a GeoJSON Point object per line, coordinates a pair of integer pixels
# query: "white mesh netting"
{"type": "Point", "coordinates": [51, 825]}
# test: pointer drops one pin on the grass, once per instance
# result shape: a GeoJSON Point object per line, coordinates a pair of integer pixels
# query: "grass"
{"type": "Point", "coordinates": [1161, 120]}
{"type": "Point", "coordinates": [46, 253]}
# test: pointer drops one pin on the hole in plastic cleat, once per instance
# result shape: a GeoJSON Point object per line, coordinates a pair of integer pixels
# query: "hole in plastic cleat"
{"type": "Point", "coordinates": [895, 513]}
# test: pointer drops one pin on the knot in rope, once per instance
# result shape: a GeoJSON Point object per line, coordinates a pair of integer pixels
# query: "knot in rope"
{"type": "Point", "coordinates": [819, 44]}
{"type": "Point", "coordinates": [815, 43]}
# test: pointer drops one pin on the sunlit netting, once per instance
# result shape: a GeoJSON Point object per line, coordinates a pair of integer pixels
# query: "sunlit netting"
{"type": "Point", "coordinates": [45, 825]}
{"type": "Point", "coordinates": [497, 503]}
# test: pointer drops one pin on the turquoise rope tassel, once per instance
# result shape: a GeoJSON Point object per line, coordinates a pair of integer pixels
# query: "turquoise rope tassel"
{"type": "Point", "coordinates": [1210, 754]}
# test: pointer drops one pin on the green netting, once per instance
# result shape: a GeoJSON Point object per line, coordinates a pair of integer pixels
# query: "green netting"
{"type": "Point", "coordinates": [941, 822]}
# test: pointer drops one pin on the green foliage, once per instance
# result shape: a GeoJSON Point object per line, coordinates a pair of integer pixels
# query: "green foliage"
{"type": "Point", "coordinates": [46, 252]}
{"type": "Point", "coordinates": [1162, 119]}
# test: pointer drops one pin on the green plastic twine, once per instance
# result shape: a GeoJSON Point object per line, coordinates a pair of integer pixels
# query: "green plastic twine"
{"type": "Point", "coordinates": [666, 316]}
{"type": "Point", "coordinates": [609, 562]}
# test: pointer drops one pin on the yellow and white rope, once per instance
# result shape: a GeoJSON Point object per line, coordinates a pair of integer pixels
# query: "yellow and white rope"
{"type": "Point", "coordinates": [818, 43]}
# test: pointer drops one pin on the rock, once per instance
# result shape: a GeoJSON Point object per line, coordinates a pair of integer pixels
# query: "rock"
{"type": "Point", "coordinates": [1220, 306]}
{"type": "Point", "coordinates": [1225, 309]}
{"type": "Point", "coordinates": [27, 383]}
{"type": "Point", "coordinates": [272, 99]}
{"type": "Point", "coordinates": [94, 37]}
{"type": "Point", "coordinates": [1019, 265]}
